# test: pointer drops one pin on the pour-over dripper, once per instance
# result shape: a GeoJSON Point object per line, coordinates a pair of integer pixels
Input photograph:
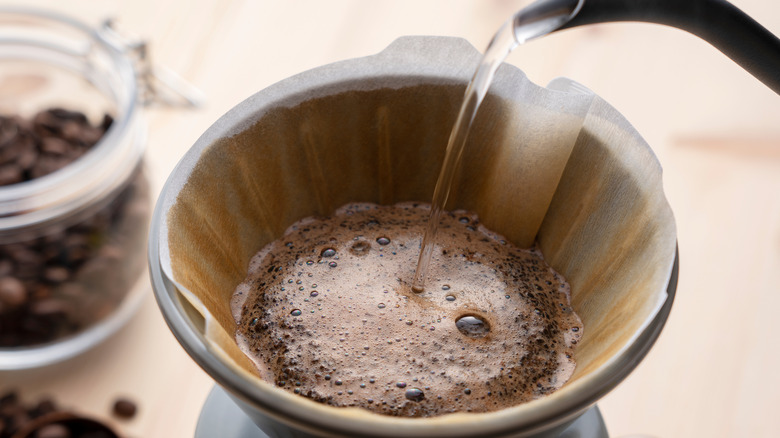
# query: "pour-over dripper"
{"type": "Point", "coordinates": [263, 166]}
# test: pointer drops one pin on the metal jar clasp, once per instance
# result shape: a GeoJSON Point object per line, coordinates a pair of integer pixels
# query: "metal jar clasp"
{"type": "Point", "coordinates": [158, 85]}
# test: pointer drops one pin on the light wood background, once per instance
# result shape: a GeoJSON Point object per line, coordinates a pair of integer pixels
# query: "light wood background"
{"type": "Point", "coordinates": [715, 129]}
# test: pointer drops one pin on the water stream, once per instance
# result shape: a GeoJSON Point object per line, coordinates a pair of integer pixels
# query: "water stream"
{"type": "Point", "coordinates": [533, 21]}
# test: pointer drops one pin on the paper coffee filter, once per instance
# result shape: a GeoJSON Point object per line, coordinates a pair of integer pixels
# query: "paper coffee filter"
{"type": "Point", "coordinates": [561, 168]}
{"type": "Point", "coordinates": [610, 231]}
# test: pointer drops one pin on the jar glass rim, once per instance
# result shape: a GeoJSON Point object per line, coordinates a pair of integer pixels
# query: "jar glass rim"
{"type": "Point", "coordinates": [86, 179]}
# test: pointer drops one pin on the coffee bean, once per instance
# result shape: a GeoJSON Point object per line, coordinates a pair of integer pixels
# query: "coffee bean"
{"type": "Point", "coordinates": [12, 292]}
{"type": "Point", "coordinates": [106, 122]}
{"type": "Point", "coordinates": [110, 252]}
{"type": "Point", "coordinates": [8, 152]}
{"type": "Point", "coordinates": [56, 274]}
{"type": "Point", "coordinates": [8, 131]}
{"type": "Point", "coordinates": [45, 124]}
{"type": "Point", "coordinates": [53, 431]}
{"type": "Point", "coordinates": [22, 254]}
{"type": "Point", "coordinates": [54, 145]}
{"type": "Point", "coordinates": [10, 174]}
{"type": "Point", "coordinates": [27, 161]}
{"type": "Point", "coordinates": [45, 406]}
{"type": "Point", "coordinates": [6, 267]}
{"type": "Point", "coordinates": [124, 408]}
{"type": "Point", "coordinates": [49, 306]}
{"type": "Point", "coordinates": [40, 292]}
{"type": "Point", "coordinates": [10, 398]}
{"type": "Point", "coordinates": [89, 136]}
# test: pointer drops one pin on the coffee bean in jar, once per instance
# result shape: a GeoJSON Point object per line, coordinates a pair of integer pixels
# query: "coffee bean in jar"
{"type": "Point", "coordinates": [54, 138]}
{"type": "Point", "coordinates": [59, 279]}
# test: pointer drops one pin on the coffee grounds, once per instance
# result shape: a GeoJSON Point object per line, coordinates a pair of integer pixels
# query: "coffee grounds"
{"type": "Point", "coordinates": [327, 312]}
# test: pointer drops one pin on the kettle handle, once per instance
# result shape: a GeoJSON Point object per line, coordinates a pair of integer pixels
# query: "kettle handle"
{"type": "Point", "coordinates": [718, 22]}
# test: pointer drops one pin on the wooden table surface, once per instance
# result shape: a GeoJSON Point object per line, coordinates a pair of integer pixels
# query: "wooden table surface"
{"type": "Point", "coordinates": [715, 129]}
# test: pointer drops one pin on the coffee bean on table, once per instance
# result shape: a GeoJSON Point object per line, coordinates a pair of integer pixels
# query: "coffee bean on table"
{"type": "Point", "coordinates": [124, 408]}
{"type": "Point", "coordinates": [45, 419]}
{"type": "Point", "coordinates": [13, 413]}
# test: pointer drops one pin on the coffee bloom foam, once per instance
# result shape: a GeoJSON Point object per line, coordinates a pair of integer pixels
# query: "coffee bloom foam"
{"type": "Point", "coordinates": [327, 312]}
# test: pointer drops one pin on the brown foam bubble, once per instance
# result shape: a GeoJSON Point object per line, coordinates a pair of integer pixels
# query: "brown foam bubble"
{"type": "Point", "coordinates": [327, 312]}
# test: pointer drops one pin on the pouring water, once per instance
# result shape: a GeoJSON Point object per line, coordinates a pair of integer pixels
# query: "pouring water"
{"type": "Point", "coordinates": [533, 21]}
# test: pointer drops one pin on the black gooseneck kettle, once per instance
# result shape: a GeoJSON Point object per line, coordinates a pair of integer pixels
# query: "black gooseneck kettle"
{"type": "Point", "coordinates": [718, 22]}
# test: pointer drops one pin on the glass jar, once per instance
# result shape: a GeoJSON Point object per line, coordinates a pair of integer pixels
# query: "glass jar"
{"type": "Point", "coordinates": [72, 242]}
